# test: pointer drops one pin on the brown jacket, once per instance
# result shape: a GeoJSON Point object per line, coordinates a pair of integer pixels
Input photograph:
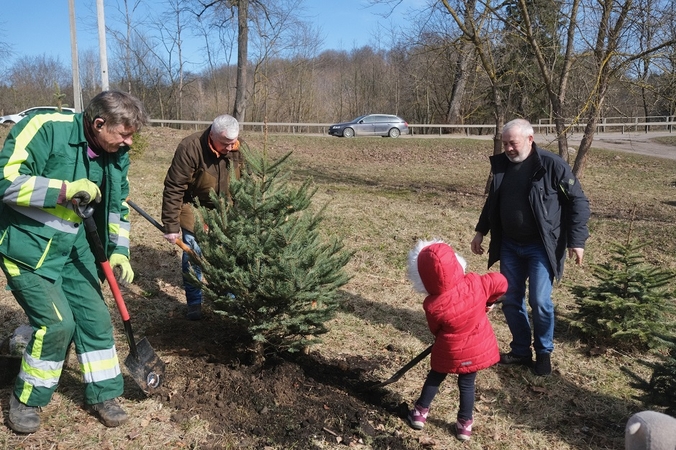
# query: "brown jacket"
{"type": "Point", "coordinates": [194, 172]}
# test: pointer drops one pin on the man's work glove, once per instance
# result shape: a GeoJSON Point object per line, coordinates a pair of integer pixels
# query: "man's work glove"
{"type": "Point", "coordinates": [172, 237]}
{"type": "Point", "coordinates": [83, 189]}
{"type": "Point", "coordinates": [121, 261]}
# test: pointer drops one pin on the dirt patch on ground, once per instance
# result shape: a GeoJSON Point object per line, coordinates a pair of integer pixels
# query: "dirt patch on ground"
{"type": "Point", "coordinates": [300, 401]}
{"type": "Point", "coordinates": [292, 402]}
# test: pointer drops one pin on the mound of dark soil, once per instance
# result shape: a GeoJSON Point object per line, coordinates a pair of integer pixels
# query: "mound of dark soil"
{"type": "Point", "coordinates": [291, 402]}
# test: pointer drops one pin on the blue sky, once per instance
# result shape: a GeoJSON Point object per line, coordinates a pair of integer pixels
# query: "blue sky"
{"type": "Point", "coordinates": [42, 27]}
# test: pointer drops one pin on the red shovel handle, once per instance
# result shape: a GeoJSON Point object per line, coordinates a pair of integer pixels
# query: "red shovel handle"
{"type": "Point", "coordinates": [115, 289]}
{"type": "Point", "coordinates": [86, 212]}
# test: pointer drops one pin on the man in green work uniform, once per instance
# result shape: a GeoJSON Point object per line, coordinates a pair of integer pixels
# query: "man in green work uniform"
{"type": "Point", "coordinates": [47, 161]}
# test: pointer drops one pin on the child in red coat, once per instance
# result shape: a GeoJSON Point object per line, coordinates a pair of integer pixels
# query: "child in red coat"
{"type": "Point", "coordinates": [456, 306]}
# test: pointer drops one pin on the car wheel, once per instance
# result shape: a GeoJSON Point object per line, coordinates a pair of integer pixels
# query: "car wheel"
{"type": "Point", "coordinates": [348, 132]}
{"type": "Point", "coordinates": [394, 132]}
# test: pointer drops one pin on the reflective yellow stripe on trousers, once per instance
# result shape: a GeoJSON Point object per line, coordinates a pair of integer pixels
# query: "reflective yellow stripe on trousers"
{"type": "Point", "coordinates": [99, 365]}
{"type": "Point", "coordinates": [37, 372]}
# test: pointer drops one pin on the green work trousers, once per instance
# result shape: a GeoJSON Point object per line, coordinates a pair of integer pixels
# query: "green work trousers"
{"type": "Point", "coordinates": [70, 308]}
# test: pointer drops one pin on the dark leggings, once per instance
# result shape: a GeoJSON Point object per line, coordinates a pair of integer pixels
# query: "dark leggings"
{"type": "Point", "coordinates": [465, 387]}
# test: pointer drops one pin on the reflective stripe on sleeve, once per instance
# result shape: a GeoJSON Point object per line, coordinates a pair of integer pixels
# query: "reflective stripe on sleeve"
{"type": "Point", "coordinates": [59, 218]}
{"type": "Point", "coordinates": [22, 186]}
{"type": "Point", "coordinates": [118, 230]}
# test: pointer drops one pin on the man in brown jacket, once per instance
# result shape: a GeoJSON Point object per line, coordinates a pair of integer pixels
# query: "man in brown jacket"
{"type": "Point", "coordinates": [202, 162]}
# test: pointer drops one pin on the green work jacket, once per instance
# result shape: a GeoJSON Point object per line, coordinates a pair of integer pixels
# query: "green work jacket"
{"type": "Point", "coordinates": [40, 153]}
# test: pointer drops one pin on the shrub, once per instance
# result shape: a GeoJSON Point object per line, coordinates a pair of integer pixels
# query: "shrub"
{"type": "Point", "coordinates": [661, 388]}
{"type": "Point", "coordinates": [630, 305]}
{"type": "Point", "coordinates": [139, 146]}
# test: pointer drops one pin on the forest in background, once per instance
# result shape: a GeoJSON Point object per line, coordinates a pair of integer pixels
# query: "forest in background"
{"type": "Point", "coordinates": [456, 62]}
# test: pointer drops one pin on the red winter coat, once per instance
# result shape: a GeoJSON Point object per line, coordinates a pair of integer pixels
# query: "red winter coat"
{"type": "Point", "coordinates": [456, 311]}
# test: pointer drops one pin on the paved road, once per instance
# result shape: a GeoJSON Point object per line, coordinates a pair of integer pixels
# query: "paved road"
{"type": "Point", "coordinates": [631, 142]}
{"type": "Point", "coordinates": [627, 142]}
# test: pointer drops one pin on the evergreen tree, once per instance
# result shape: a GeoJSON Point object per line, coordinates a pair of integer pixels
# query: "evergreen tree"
{"type": "Point", "coordinates": [266, 265]}
{"type": "Point", "coordinates": [661, 388]}
{"type": "Point", "coordinates": [631, 304]}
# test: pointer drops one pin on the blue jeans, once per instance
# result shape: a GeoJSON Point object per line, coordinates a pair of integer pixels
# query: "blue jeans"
{"type": "Point", "coordinates": [193, 295]}
{"type": "Point", "coordinates": [518, 263]}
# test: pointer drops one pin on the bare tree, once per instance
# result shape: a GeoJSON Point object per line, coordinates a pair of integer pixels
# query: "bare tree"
{"type": "Point", "coordinates": [227, 10]}
{"type": "Point", "coordinates": [135, 67]}
{"type": "Point", "coordinates": [217, 52]}
{"type": "Point", "coordinates": [554, 73]}
{"type": "Point", "coordinates": [90, 74]}
{"type": "Point", "coordinates": [282, 48]}
{"type": "Point", "coordinates": [462, 73]}
{"type": "Point", "coordinates": [475, 28]}
{"type": "Point", "coordinates": [612, 53]}
{"type": "Point", "coordinates": [38, 80]}
{"type": "Point", "coordinates": [171, 26]}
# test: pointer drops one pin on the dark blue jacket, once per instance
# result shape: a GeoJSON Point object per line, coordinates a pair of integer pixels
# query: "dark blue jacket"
{"type": "Point", "coordinates": [559, 205]}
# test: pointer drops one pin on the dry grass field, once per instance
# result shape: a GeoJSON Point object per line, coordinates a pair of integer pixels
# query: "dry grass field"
{"type": "Point", "coordinates": [382, 195]}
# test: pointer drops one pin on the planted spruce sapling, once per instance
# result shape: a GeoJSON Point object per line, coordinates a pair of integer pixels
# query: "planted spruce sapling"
{"type": "Point", "coordinates": [267, 266]}
{"type": "Point", "coordinates": [631, 304]}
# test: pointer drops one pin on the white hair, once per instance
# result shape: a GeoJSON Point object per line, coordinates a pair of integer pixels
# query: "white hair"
{"type": "Point", "coordinates": [414, 274]}
{"type": "Point", "coordinates": [225, 125]}
{"type": "Point", "coordinates": [522, 124]}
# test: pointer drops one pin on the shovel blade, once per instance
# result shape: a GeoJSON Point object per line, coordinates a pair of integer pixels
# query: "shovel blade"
{"type": "Point", "coordinates": [148, 369]}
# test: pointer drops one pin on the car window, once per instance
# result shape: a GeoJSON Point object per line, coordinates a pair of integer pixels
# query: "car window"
{"type": "Point", "coordinates": [369, 119]}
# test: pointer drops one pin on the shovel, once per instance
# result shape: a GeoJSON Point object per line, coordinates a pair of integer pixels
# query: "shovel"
{"type": "Point", "coordinates": [159, 226]}
{"type": "Point", "coordinates": [143, 364]}
{"type": "Point", "coordinates": [404, 369]}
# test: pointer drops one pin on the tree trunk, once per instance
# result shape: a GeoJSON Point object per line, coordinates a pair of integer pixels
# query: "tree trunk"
{"type": "Point", "coordinates": [239, 109]}
{"type": "Point", "coordinates": [499, 114]}
{"type": "Point", "coordinates": [590, 129]}
{"type": "Point", "coordinates": [585, 145]}
{"type": "Point", "coordinates": [454, 115]}
{"type": "Point", "coordinates": [561, 137]}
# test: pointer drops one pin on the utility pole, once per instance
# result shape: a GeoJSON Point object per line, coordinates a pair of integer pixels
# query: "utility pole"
{"type": "Point", "coordinates": [77, 89]}
{"type": "Point", "coordinates": [103, 58]}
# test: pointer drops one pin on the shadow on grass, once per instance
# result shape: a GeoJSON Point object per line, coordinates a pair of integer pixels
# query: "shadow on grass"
{"type": "Point", "coordinates": [549, 405]}
{"type": "Point", "coordinates": [431, 187]}
{"type": "Point", "coordinates": [406, 320]}
{"type": "Point", "coordinates": [555, 405]}
{"type": "Point", "coordinates": [563, 404]}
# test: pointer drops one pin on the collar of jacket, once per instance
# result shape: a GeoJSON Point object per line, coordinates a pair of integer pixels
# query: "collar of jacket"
{"type": "Point", "coordinates": [500, 161]}
{"type": "Point", "coordinates": [77, 134]}
{"type": "Point", "coordinates": [235, 148]}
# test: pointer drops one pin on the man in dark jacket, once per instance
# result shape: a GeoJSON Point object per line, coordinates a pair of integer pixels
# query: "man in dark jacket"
{"type": "Point", "coordinates": [202, 163]}
{"type": "Point", "coordinates": [535, 210]}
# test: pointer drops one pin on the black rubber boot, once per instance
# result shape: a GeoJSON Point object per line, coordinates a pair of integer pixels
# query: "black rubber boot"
{"type": "Point", "coordinates": [110, 413]}
{"type": "Point", "coordinates": [195, 312]}
{"type": "Point", "coordinates": [543, 365]}
{"type": "Point", "coordinates": [511, 358]}
{"type": "Point", "coordinates": [22, 418]}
